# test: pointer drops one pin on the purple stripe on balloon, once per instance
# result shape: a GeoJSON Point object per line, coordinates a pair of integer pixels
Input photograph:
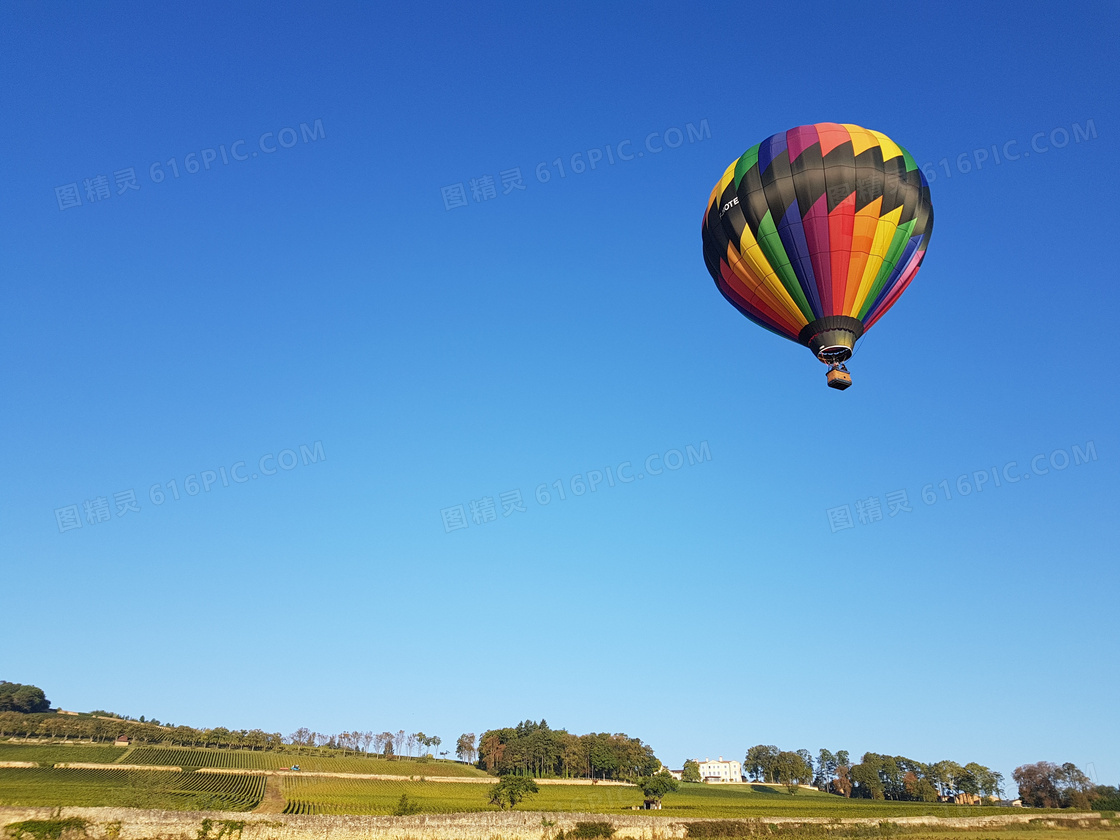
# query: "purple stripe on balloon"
{"type": "Point", "coordinates": [799, 139]}
{"type": "Point", "coordinates": [797, 249]}
{"type": "Point", "coordinates": [815, 223]}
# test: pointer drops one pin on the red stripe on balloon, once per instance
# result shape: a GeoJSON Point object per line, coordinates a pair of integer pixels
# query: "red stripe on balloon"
{"type": "Point", "coordinates": [841, 226]}
{"type": "Point", "coordinates": [831, 135]}
{"type": "Point", "coordinates": [815, 223]}
{"type": "Point", "coordinates": [734, 287]}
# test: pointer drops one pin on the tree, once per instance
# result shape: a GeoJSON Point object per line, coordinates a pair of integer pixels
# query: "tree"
{"type": "Point", "coordinates": [1076, 787]}
{"type": "Point", "coordinates": [789, 769]}
{"type": "Point", "coordinates": [465, 747]}
{"type": "Point", "coordinates": [406, 807]}
{"type": "Point", "coordinates": [1046, 785]}
{"type": "Point", "coordinates": [826, 768]}
{"type": "Point", "coordinates": [511, 790]}
{"type": "Point", "coordinates": [655, 787]}
{"type": "Point", "coordinates": [978, 779]}
{"type": "Point", "coordinates": [1106, 798]}
{"type": "Point", "coordinates": [807, 757]}
{"type": "Point", "coordinates": [26, 699]}
{"type": "Point", "coordinates": [386, 739]}
{"type": "Point", "coordinates": [691, 771]}
{"type": "Point", "coordinates": [1038, 784]}
{"type": "Point", "coordinates": [759, 762]}
{"type": "Point", "coordinates": [410, 741]}
{"type": "Point", "coordinates": [865, 776]}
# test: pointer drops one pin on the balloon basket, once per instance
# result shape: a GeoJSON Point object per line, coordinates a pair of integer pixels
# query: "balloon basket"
{"type": "Point", "coordinates": [838, 377]}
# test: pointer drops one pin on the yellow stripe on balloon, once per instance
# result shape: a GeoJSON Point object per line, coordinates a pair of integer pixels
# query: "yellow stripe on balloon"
{"type": "Point", "coordinates": [728, 176]}
{"type": "Point", "coordinates": [753, 255]}
{"type": "Point", "coordinates": [890, 148]}
{"type": "Point", "coordinates": [884, 233]}
{"type": "Point", "coordinates": [746, 274]}
{"type": "Point", "coordinates": [862, 139]}
{"type": "Point", "coordinates": [717, 190]}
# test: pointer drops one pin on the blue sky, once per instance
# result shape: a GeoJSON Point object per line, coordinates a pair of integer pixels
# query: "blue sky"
{"type": "Point", "coordinates": [321, 282]}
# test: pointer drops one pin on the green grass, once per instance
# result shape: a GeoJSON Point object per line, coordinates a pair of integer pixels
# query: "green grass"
{"type": "Point", "coordinates": [139, 789]}
{"type": "Point", "coordinates": [249, 760]}
{"type": "Point", "coordinates": [309, 795]}
{"type": "Point", "coordinates": [746, 801]}
{"type": "Point", "coordinates": [724, 830]}
{"type": "Point", "coordinates": [50, 754]}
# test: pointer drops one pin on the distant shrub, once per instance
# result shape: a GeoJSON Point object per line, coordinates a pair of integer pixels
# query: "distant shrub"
{"type": "Point", "coordinates": [588, 831]}
{"type": "Point", "coordinates": [45, 829]}
{"type": "Point", "coordinates": [793, 831]}
{"type": "Point", "coordinates": [724, 828]}
{"type": "Point", "coordinates": [406, 807]}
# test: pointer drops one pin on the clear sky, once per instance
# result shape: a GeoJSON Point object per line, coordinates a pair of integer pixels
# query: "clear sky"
{"type": "Point", "coordinates": [349, 268]}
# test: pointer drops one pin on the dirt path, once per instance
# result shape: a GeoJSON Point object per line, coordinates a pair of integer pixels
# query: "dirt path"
{"type": "Point", "coordinates": [237, 771]}
{"type": "Point", "coordinates": [86, 765]}
{"type": "Point", "coordinates": [273, 800]}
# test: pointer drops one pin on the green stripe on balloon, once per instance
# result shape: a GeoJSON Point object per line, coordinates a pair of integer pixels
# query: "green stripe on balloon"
{"type": "Point", "coordinates": [749, 159]}
{"type": "Point", "coordinates": [774, 251]}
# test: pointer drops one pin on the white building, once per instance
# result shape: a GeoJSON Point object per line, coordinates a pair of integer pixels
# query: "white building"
{"type": "Point", "coordinates": [720, 771]}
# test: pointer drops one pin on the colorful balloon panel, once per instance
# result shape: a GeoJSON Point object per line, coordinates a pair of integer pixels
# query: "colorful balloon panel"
{"type": "Point", "coordinates": [820, 220]}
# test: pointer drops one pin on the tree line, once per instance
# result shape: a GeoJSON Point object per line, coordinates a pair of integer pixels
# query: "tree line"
{"type": "Point", "coordinates": [387, 744]}
{"type": "Point", "coordinates": [1041, 785]}
{"type": "Point", "coordinates": [107, 727]}
{"type": "Point", "coordinates": [875, 776]}
{"type": "Point", "coordinates": [533, 749]}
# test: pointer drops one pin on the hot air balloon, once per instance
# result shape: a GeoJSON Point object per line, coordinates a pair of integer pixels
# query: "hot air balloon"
{"type": "Point", "coordinates": [815, 232]}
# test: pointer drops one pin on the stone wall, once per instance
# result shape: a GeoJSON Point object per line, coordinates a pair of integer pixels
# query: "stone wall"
{"type": "Point", "coordinates": [136, 824]}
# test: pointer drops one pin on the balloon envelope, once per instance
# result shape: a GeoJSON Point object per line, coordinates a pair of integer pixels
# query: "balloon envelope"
{"type": "Point", "coordinates": [818, 227]}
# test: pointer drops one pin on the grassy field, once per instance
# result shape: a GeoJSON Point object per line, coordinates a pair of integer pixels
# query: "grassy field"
{"type": "Point", "coordinates": [50, 754]}
{"type": "Point", "coordinates": [47, 755]}
{"type": "Point", "coordinates": [334, 795]}
{"type": "Point", "coordinates": [136, 789]}
{"type": "Point", "coordinates": [309, 795]}
{"type": "Point", "coordinates": [884, 830]}
{"type": "Point", "coordinates": [248, 760]}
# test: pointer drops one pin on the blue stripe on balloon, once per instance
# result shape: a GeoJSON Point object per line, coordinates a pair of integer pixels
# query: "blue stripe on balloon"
{"type": "Point", "coordinates": [769, 149]}
{"type": "Point", "coordinates": [792, 231]}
